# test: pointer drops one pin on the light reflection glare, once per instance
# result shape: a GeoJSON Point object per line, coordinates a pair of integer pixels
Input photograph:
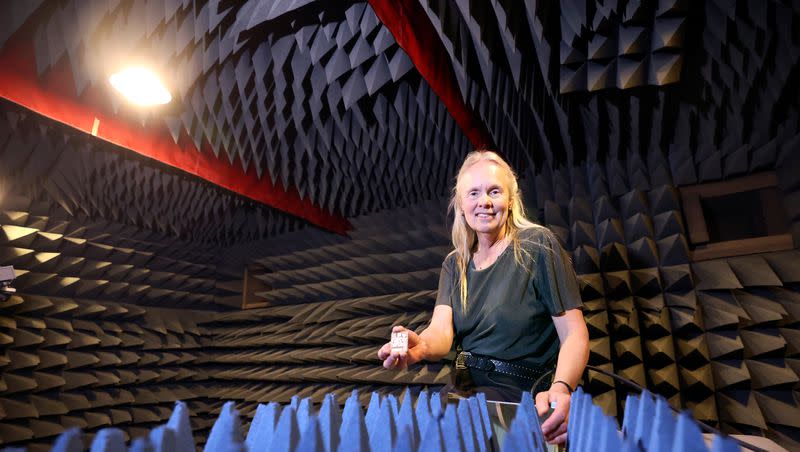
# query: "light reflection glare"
{"type": "Point", "coordinates": [140, 86]}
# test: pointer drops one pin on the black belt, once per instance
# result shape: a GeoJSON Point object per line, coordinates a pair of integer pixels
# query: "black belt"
{"type": "Point", "coordinates": [466, 360]}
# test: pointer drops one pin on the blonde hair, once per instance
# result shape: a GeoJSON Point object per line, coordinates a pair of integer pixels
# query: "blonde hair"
{"type": "Point", "coordinates": [464, 237]}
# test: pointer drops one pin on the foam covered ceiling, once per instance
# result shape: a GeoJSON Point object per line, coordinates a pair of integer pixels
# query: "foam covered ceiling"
{"type": "Point", "coordinates": [326, 110]}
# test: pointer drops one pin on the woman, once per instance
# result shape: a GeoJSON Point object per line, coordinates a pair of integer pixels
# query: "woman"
{"type": "Point", "coordinates": [507, 296]}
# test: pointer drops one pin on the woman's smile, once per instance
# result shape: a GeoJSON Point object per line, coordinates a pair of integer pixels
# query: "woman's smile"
{"type": "Point", "coordinates": [484, 193]}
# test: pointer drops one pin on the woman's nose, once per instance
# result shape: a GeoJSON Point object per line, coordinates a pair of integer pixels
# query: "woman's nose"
{"type": "Point", "coordinates": [484, 199]}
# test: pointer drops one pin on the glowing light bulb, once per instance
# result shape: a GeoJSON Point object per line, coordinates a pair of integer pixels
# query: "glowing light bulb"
{"type": "Point", "coordinates": [140, 86]}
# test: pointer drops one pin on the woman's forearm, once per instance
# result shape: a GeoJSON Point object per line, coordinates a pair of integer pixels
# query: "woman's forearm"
{"type": "Point", "coordinates": [572, 357]}
{"type": "Point", "coordinates": [437, 338]}
{"type": "Point", "coordinates": [437, 344]}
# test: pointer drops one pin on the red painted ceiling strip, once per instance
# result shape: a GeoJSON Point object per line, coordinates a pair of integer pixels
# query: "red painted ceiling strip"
{"type": "Point", "coordinates": [20, 84]}
{"type": "Point", "coordinates": [413, 31]}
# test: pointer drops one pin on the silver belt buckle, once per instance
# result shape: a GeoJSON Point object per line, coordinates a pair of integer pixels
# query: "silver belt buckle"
{"type": "Point", "coordinates": [461, 361]}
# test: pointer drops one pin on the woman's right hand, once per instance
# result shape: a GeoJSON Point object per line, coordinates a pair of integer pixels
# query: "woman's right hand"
{"type": "Point", "coordinates": [397, 360]}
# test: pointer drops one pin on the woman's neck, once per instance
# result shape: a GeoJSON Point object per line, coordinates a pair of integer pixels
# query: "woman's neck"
{"type": "Point", "coordinates": [487, 241]}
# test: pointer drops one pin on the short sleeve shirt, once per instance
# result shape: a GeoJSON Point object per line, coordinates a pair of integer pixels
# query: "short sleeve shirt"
{"type": "Point", "coordinates": [509, 306]}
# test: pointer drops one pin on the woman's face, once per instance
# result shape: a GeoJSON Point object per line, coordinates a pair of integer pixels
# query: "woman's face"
{"type": "Point", "coordinates": [484, 192]}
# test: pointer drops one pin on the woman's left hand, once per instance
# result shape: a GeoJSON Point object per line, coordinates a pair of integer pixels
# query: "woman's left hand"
{"type": "Point", "coordinates": [554, 428]}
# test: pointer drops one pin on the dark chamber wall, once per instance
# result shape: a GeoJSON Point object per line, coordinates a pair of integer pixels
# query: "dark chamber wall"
{"type": "Point", "coordinates": [96, 335]}
{"type": "Point", "coordinates": [334, 301]}
{"type": "Point", "coordinates": [717, 336]}
{"type": "Point", "coordinates": [106, 327]}
{"type": "Point", "coordinates": [116, 318]}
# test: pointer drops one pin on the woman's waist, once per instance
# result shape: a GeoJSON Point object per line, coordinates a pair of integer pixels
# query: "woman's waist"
{"type": "Point", "coordinates": [522, 367]}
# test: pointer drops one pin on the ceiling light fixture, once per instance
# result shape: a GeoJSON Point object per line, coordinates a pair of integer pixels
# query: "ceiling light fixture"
{"type": "Point", "coordinates": [140, 86]}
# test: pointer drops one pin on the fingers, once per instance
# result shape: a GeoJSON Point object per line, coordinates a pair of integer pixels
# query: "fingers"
{"type": "Point", "coordinates": [393, 359]}
{"type": "Point", "coordinates": [560, 439]}
{"type": "Point", "coordinates": [542, 403]}
{"type": "Point", "coordinates": [554, 422]}
{"type": "Point", "coordinates": [384, 351]}
{"type": "Point", "coordinates": [396, 361]}
{"type": "Point", "coordinates": [559, 436]}
{"type": "Point", "coordinates": [554, 428]}
{"type": "Point", "coordinates": [389, 362]}
{"type": "Point", "coordinates": [559, 415]}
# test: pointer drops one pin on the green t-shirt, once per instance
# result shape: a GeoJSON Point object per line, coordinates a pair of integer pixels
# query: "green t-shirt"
{"type": "Point", "coordinates": [509, 306]}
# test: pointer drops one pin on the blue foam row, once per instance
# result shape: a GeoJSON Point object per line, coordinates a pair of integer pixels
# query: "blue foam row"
{"type": "Point", "coordinates": [389, 425]}
{"type": "Point", "coordinates": [648, 424]}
